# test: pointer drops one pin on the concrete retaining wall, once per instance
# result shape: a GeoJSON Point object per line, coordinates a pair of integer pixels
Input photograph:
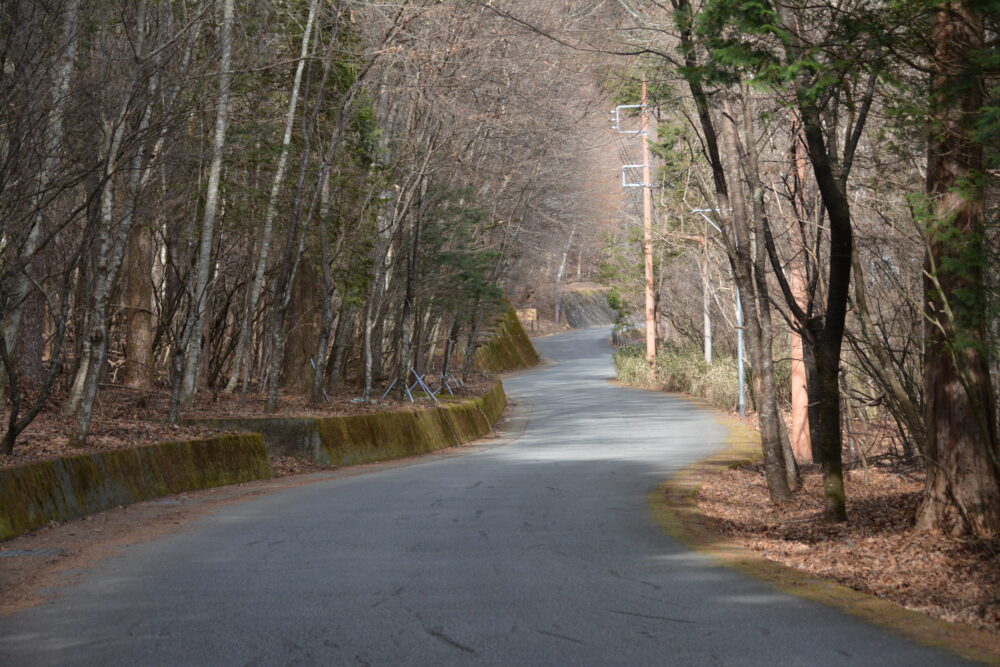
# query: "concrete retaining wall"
{"type": "Point", "coordinates": [509, 349]}
{"type": "Point", "coordinates": [34, 494]}
{"type": "Point", "coordinates": [374, 437]}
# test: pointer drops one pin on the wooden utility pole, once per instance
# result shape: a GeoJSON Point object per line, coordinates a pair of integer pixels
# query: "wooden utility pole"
{"type": "Point", "coordinates": [706, 304]}
{"type": "Point", "coordinates": [647, 239]}
{"type": "Point", "coordinates": [800, 437]}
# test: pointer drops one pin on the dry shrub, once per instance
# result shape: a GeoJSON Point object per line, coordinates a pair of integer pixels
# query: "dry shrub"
{"type": "Point", "coordinates": [683, 371]}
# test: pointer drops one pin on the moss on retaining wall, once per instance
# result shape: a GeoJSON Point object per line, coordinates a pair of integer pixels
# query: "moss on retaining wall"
{"type": "Point", "coordinates": [34, 494]}
{"type": "Point", "coordinates": [379, 436]}
{"type": "Point", "coordinates": [509, 349]}
{"type": "Point", "coordinates": [389, 435]}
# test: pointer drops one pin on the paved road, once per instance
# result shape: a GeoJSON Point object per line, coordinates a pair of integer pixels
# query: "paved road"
{"type": "Point", "coordinates": [541, 552]}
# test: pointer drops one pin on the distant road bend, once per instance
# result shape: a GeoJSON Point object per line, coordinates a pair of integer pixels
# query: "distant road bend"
{"type": "Point", "coordinates": [540, 552]}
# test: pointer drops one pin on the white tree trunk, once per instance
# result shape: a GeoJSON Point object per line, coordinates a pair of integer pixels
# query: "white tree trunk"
{"type": "Point", "coordinates": [192, 359]}
{"type": "Point", "coordinates": [112, 243]}
{"type": "Point", "coordinates": [53, 143]}
{"type": "Point", "coordinates": [241, 366]}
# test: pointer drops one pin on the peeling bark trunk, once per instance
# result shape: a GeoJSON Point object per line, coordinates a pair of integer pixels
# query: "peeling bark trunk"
{"type": "Point", "coordinates": [189, 380]}
{"type": "Point", "coordinates": [240, 370]}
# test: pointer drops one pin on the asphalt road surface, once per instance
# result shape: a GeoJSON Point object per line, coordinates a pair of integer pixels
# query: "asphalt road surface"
{"type": "Point", "coordinates": [537, 551]}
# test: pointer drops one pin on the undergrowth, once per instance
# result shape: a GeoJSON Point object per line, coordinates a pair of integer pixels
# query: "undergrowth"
{"type": "Point", "coordinates": [682, 371]}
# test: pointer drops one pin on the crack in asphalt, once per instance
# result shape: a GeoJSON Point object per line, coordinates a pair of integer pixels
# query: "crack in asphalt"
{"type": "Point", "coordinates": [653, 617]}
{"type": "Point", "coordinates": [562, 637]}
{"type": "Point", "coordinates": [445, 639]}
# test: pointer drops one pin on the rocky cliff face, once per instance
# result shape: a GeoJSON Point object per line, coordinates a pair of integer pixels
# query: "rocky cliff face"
{"type": "Point", "coordinates": [586, 308]}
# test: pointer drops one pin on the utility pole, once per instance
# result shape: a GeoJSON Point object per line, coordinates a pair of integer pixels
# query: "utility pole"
{"type": "Point", "coordinates": [647, 218]}
{"type": "Point", "coordinates": [647, 240]}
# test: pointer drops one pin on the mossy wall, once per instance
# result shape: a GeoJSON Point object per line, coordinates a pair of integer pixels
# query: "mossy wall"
{"type": "Point", "coordinates": [34, 494]}
{"type": "Point", "coordinates": [376, 437]}
{"type": "Point", "coordinates": [509, 349]}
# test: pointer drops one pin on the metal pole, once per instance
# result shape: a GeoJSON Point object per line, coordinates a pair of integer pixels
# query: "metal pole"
{"type": "Point", "coordinates": [706, 307]}
{"type": "Point", "coordinates": [741, 373]}
{"type": "Point", "coordinates": [740, 363]}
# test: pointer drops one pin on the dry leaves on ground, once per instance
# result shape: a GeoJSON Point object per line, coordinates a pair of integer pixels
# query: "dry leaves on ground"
{"type": "Point", "coordinates": [878, 552]}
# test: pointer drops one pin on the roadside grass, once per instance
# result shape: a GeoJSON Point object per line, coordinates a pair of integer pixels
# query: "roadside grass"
{"type": "Point", "coordinates": [683, 371]}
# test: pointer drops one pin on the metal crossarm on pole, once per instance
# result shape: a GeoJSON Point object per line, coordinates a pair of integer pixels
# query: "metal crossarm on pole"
{"type": "Point", "coordinates": [626, 168]}
{"type": "Point", "coordinates": [617, 113]}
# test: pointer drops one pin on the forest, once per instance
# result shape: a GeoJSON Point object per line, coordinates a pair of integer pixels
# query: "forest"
{"type": "Point", "coordinates": [847, 153]}
{"type": "Point", "coordinates": [209, 197]}
{"type": "Point", "coordinates": [265, 199]}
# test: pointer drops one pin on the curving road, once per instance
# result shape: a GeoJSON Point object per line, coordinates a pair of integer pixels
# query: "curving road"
{"type": "Point", "coordinates": [538, 551]}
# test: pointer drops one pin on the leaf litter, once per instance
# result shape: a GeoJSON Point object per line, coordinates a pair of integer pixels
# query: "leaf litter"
{"type": "Point", "coordinates": [878, 551]}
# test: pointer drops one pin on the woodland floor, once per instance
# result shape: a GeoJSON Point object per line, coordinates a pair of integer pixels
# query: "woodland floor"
{"type": "Point", "coordinates": [125, 417]}
{"type": "Point", "coordinates": [877, 552]}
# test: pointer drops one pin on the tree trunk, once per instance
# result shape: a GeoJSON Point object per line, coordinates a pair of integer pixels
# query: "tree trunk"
{"type": "Point", "coordinates": [449, 349]}
{"type": "Point", "coordinates": [800, 442]}
{"type": "Point", "coordinates": [825, 430]}
{"type": "Point", "coordinates": [336, 363]}
{"type": "Point", "coordinates": [754, 304]}
{"type": "Point", "coordinates": [240, 370]}
{"type": "Point", "coordinates": [53, 145]}
{"type": "Point", "coordinates": [189, 380]}
{"type": "Point", "coordinates": [111, 246]}
{"type": "Point", "coordinates": [371, 343]}
{"type": "Point", "coordinates": [962, 495]}
{"type": "Point", "coordinates": [768, 394]}
{"type": "Point", "coordinates": [737, 250]}
{"type": "Point", "coordinates": [138, 302]}
{"type": "Point", "coordinates": [319, 369]}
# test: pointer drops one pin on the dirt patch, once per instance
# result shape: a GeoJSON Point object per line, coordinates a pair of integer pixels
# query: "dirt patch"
{"type": "Point", "coordinates": [126, 418]}
{"type": "Point", "coordinates": [877, 552]}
